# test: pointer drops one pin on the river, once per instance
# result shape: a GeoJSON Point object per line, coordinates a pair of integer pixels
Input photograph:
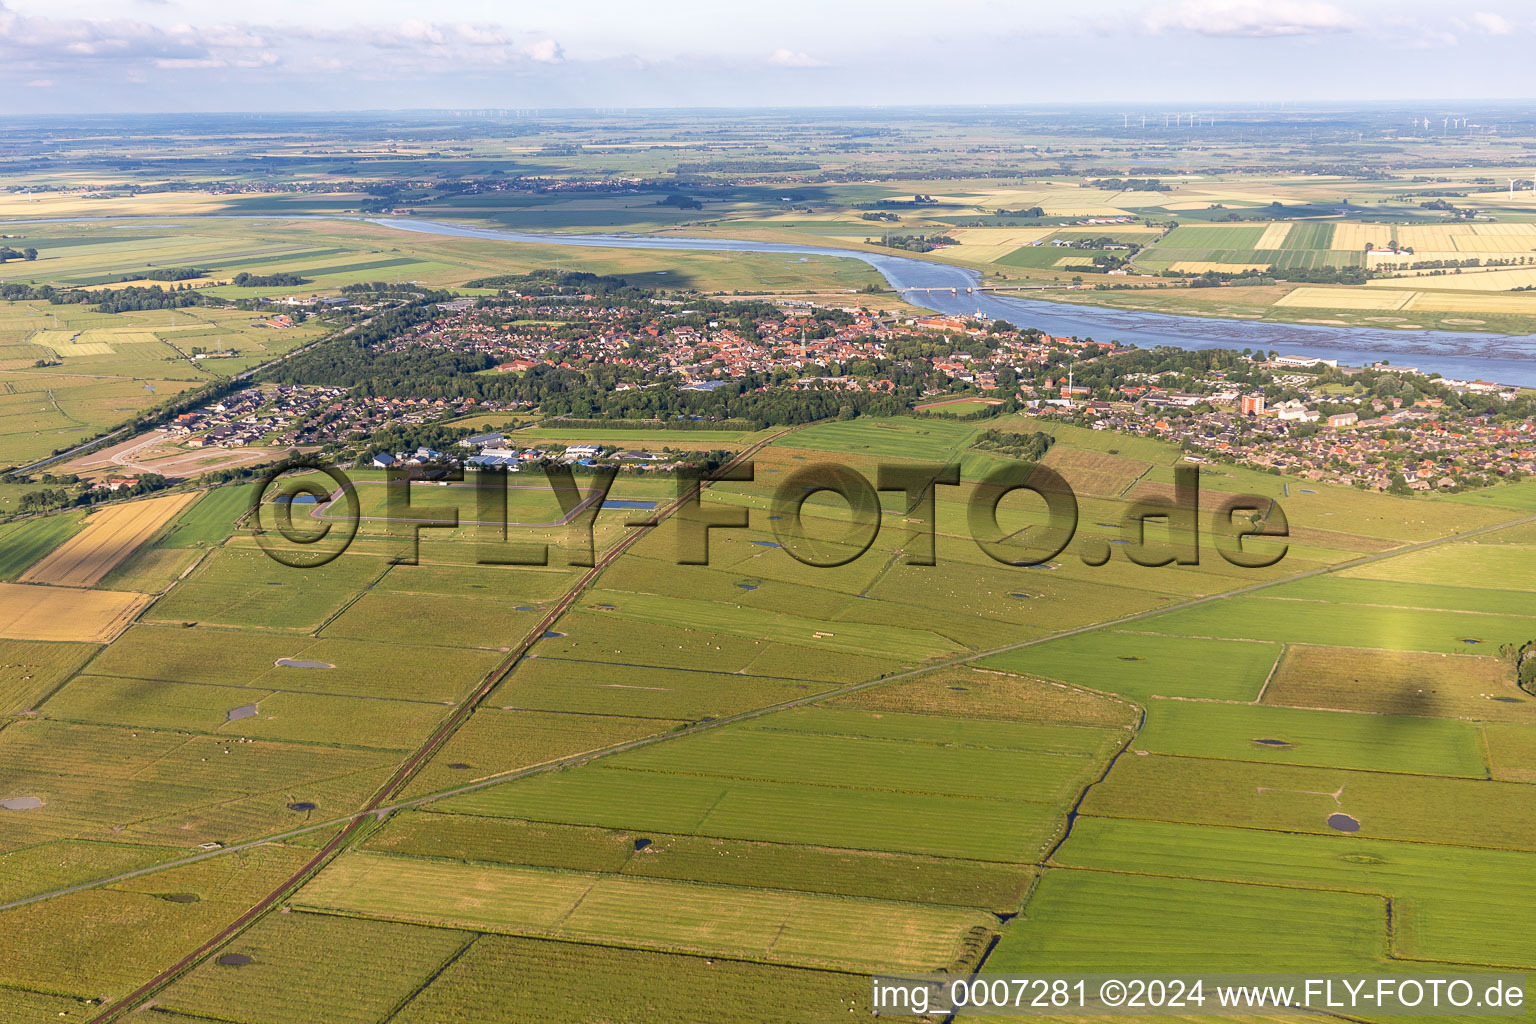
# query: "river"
{"type": "Point", "coordinates": [1508, 359]}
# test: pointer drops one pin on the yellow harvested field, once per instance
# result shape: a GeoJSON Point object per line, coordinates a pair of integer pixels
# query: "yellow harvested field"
{"type": "Point", "coordinates": [190, 282]}
{"type": "Point", "coordinates": [1355, 236]}
{"type": "Point", "coordinates": [1401, 261]}
{"type": "Point", "coordinates": [95, 204]}
{"type": "Point", "coordinates": [49, 613]}
{"type": "Point", "coordinates": [1074, 261]}
{"type": "Point", "coordinates": [986, 245]}
{"type": "Point", "coordinates": [1474, 302]}
{"type": "Point", "coordinates": [1201, 266]}
{"type": "Point", "coordinates": [1436, 237]}
{"type": "Point", "coordinates": [1341, 298]}
{"type": "Point", "coordinates": [110, 536]}
{"type": "Point", "coordinates": [1467, 281]}
{"type": "Point", "coordinates": [1273, 237]}
{"type": "Point", "coordinates": [1441, 241]}
{"type": "Point", "coordinates": [1077, 209]}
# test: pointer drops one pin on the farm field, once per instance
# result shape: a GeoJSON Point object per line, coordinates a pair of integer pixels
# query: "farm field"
{"type": "Point", "coordinates": [109, 536]}
{"type": "Point", "coordinates": [47, 613]}
{"type": "Point", "coordinates": [682, 917]}
{"type": "Point", "coordinates": [100, 369]}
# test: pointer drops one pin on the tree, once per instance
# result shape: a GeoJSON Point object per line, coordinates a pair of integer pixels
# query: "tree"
{"type": "Point", "coordinates": [29, 253]}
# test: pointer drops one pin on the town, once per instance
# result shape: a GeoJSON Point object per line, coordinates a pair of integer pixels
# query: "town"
{"type": "Point", "coordinates": [423, 389]}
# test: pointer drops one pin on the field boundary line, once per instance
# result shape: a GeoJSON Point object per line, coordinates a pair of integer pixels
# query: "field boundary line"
{"type": "Point", "coordinates": [1274, 670]}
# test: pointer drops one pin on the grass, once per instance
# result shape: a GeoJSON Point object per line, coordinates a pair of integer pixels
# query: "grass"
{"type": "Point", "coordinates": [1473, 564]}
{"type": "Point", "coordinates": [212, 519]}
{"type": "Point", "coordinates": [368, 723]}
{"type": "Point", "coordinates": [242, 586]}
{"type": "Point", "coordinates": [1012, 831]}
{"type": "Point", "coordinates": [306, 967]}
{"type": "Point", "coordinates": [459, 621]}
{"type": "Point", "coordinates": [833, 777]}
{"type": "Point", "coordinates": [134, 932]}
{"type": "Point", "coordinates": [1147, 664]}
{"type": "Point", "coordinates": [519, 980]}
{"type": "Point", "coordinates": [110, 535]}
{"type": "Point", "coordinates": [906, 644]}
{"type": "Point", "coordinates": [927, 766]}
{"type": "Point", "coordinates": [233, 658]}
{"type": "Point", "coordinates": [22, 544]}
{"type": "Point", "coordinates": [496, 740]}
{"type": "Point", "coordinates": [1289, 798]}
{"type": "Point", "coordinates": [901, 437]}
{"type": "Point", "coordinates": [782, 927]}
{"type": "Point", "coordinates": [1273, 617]}
{"type": "Point", "coordinates": [1093, 921]}
{"type": "Point", "coordinates": [1449, 903]}
{"type": "Point", "coordinates": [1384, 743]}
{"type": "Point", "coordinates": [555, 684]}
{"type": "Point", "coordinates": [30, 670]}
{"type": "Point", "coordinates": [983, 695]}
{"type": "Point", "coordinates": [906, 878]}
{"type": "Point", "coordinates": [36, 869]}
{"type": "Point", "coordinates": [1400, 683]}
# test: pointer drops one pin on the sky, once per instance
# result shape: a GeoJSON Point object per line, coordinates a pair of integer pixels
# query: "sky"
{"type": "Point", "coordinates": [112, 56]}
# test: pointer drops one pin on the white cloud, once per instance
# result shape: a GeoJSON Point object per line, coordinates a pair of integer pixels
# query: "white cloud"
{"type": "Point", "coordinates": [1251, 18]}
{"type": "Point", "coordinates": [1493, 24]}
{"type": "Point", "coordinates": [546, 51]}
{"type": "Point", "coordinates": [48, 44]}
{"type": "Point", "coordinates": [40, 83]}
{"type": "Point", "coordinates": [782, 58]}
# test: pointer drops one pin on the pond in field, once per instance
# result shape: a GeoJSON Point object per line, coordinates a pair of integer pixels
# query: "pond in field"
{"type": "Point", "coordinates": [1272, 743]}
{"type": "Point", "coordinates": [235, 960]}
{"type": "Point", "coordinates": [298, 663]}
{"type": "Point", "coordinates": [1343, 823]}
{"type": "Point", "coordinates": [244, 711]}
{"type": "Point", "coordinates": [627, 503]}
{"type": "Point", "coordinates": [21, 803]}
